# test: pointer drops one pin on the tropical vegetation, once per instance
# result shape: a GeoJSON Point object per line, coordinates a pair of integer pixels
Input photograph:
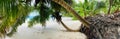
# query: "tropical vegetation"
{"type": "Point", "coordinates": [14, 12]}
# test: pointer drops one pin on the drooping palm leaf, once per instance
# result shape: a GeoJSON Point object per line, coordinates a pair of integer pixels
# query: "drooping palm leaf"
{"type": "Point", "coordinates": [12, 11]}
{"type": "Point", "coordinates": [44, 14]}
{"type": "Point", "coordinates": [47, 8]}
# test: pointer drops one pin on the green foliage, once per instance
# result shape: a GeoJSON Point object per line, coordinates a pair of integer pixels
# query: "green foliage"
{"type": "Point", "coordinates": [46, 11]}
{"type": "Point", "coordinates": [92, 7]}
{"type": "Point", "coordinates": [116, 3]}
{"type": "Point", "coordinates": [55, 6]}
{"type": "Point", "coordinates": [16, 24]}
{"type": "Point", "coordinates": [89, 8]}
{"type": "Point", "coordinates": [36, 19]}
{"type": "Point", "coordinates": [14, 14]}
{"type": "Point", "coordinates": [43, 16]}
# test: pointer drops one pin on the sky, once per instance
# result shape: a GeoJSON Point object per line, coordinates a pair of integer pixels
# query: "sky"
{"type": "Point", "coordinates": [77, 1]}
{"type": "Point", "coordinates": [33, 14]}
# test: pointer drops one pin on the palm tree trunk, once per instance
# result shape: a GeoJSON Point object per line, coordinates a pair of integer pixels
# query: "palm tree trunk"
{"type": "Point", "coordinates": [109, 9]}
{"type": "Point", "coordinates": [68, 8]}
{"type": "Point", "coordinates": [110, 4]}
{"type": "Point", "coordinates": [65, 26]}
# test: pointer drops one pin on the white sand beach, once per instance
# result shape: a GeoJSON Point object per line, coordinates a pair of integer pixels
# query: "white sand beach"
{"type": "Point", "coordinates": [53, 30]}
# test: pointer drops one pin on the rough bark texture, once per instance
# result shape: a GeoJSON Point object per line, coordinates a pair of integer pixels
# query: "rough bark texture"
{"type": "Point", "coordinates": [106, 25]}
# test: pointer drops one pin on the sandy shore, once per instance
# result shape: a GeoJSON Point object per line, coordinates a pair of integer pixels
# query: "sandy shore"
{"type": "Point", "coordinates": [53, 30]}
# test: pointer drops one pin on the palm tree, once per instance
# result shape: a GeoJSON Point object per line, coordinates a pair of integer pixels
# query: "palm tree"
{"type": "Point", "coordinates": [55, 6]}
{"type": "Point", "coordinates": [110, 5]}
{"type": "Point", "coordinates": [68, 8]}
{"type": "Point", "coordinates": [15, 12]}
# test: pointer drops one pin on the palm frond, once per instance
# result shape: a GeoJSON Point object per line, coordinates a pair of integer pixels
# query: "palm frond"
{"type": "Point", "coordinates": [16, 24]}
{"type": "Point", "coordinates": [35, 20]}
{"type": "Point", "coordinates": [57, 16]}
{"type": "Point", "coordinates": [12, 11]}
{"type": "Point", "coordinates": [44, 13]}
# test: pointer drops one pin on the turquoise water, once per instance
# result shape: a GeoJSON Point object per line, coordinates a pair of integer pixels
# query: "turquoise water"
{"type": "Point", "coordinates": [33, 14]}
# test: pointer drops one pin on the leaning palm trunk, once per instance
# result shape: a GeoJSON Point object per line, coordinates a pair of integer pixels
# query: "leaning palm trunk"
{"type": "Point", "coordinates": [68, 8]}
{"type": "Point", "coordinates": [65, 26]}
